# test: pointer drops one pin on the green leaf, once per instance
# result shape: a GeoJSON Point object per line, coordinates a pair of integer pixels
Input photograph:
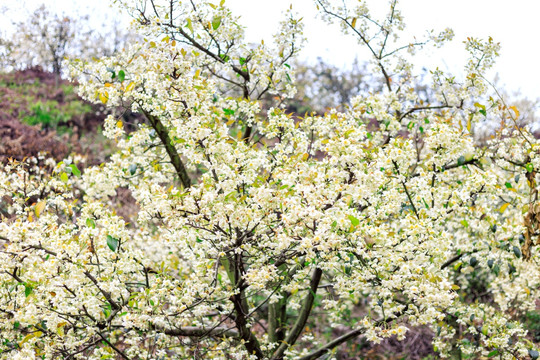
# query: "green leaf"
{"type": "Point", "coordinates": [533, 354]}
{"type": "Point", "coordinates": [465, 223]}
{"type": "Point", "coordinates": [74, 170]}
{"type": "Point", "coordinates": [228, 112]}
{"type": "Point", "coordinates": [529, 167]}
{"type": "Point", "coordinates": [112, 243]}
{"type": "Point", "coordinates": [121, 75]}
{"type": "Point", "coordinates": [189, 25]}
{"type": "Point", "coordinates": [216, 22]}
{"type": "Point", "coordinates": [27, 290]}
{"type": "Point", "coordinates": [517, 251]}
{"type": "Point", "coordinates": [90, 223]}
{"type": "Point", "coordinates": [354, 220]}
{"type": "Point", "coordinates": [483, 112]}
{"type": "Point", "coordinates": [132, 169]}
{"type": "Point", "coordinates": [64, 177]}
{"type": "Point", "coordinates": [508, 185]}
{"type": "Point", "coordinates": [493, 353]}
{"type": "Point", "coordinates": [461, 160]}
{"type": "Point", "coordinates": [242, 60]}
{"type": "Point", "coordinates": [113, 74]}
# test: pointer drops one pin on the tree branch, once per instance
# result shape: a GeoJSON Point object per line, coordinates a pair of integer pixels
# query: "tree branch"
{"type": "Point", "coordinates": [348, 336]}
{"type": "Point", "coordinates": [302, 317]}
{"type": "Point", "coordinates": [120, 352]}
{"type": "Point", "coordinates": [336, 342]}
{"type": "Point", "coordinates": [106, 294]}
{"type": "Point", "coordinates": [176, 161]}
{"type": "Point", "coordinates": [251, 342]}
{"type": "Point", "coordinates": [407, 191]}
{"type": "Point", "coordinates": [197, 331]}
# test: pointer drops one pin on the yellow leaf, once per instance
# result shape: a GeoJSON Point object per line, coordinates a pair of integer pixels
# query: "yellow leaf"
{"type": "Point", "coordinates": [120, 124]}
{"type": "Point", "coordinates": [39, 207]}
{"type": "Point", "coordinates": [353, 22]}
{"type": "Point", "coordinates": [25, 339]}
{"type": "Point", "coordinates": [516, 111]}
{"type": "Point", "coordinates": [108, 84]}
{"type": "Point", "coordinates": [30, 336]}
{"type": "Point", "coordinates": [455, 287]}
{"type": "Point", "coordinates": [305, 156]}
{"type": "Point", "coordinates": [130, 86]}
{"type": "Point", "coordinates": [60, 328]}
{"type": "Point", "coordinates": [104, 97]}
{"type": "Point", "coordinates": [505, 205]}
{"type": "Point", "coordinates": [480, 106]}
{"type": "Point", "coordinates": [197, 73]}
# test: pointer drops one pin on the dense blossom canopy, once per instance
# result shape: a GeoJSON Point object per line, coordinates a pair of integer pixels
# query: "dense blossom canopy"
{"type": "Point", "coordinates": [258, 230]}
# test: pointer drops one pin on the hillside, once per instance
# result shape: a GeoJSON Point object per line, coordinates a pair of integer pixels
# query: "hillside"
{"type": "Point", "coordinates": [41, 113]}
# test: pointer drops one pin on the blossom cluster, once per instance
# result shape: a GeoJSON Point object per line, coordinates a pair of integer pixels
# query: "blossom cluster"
{"type": "Point", "coordinates": [250, 222]}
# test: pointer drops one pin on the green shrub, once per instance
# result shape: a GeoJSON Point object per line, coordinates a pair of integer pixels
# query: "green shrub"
{"type": "Point", "coordinates": [533, 324]}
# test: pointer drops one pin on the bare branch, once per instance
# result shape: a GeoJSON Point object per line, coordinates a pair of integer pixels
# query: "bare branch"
{"type": "Point", "coordinates": [300, 323]}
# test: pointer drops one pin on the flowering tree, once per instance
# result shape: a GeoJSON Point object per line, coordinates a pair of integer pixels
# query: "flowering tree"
{"type": "Point", "coordinates": [385, 215]}
{"type": "Point", "coordinates": [45, 39]}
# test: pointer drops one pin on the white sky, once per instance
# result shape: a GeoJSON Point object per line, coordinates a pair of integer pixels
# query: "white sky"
{"type": "Point", "coordinates": [514, 24]}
